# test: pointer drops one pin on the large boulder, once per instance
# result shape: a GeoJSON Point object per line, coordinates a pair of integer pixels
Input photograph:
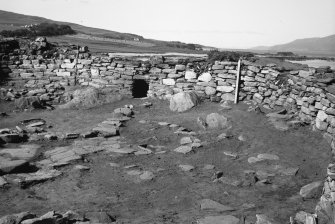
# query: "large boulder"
{"type": "Point", "coordinates": [183, 101]}
{"type": "Point", "coordinates": [29, 102]}
{"type": "Point", "coordinates": [90, 97]}
{"type": "Point", "coordinates": [215, 120]}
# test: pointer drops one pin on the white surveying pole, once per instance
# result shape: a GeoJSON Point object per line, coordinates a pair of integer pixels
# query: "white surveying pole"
{"type": "Point", "coordinates": [237, 80]}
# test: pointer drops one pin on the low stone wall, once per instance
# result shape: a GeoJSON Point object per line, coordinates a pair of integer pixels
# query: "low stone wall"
{"type": "Point", "coordinates": [309, 93]}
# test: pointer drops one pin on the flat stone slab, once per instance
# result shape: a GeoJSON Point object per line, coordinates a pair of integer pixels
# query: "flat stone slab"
{"type": "Point", "coordinates": [30, 178]}
{"type": "Point", "coordinates": [221, 219]}
{"type": "Point", "coordinates": [210, 205]}
{"type": "Point", "coordinates": [7, 165]}
{"type": "Point", "coordinates": [143, 151]}
{"type": "Point", "coordinates": [24, 152]}
{"type": "Point", "coordinates": [122, 150]}
{"type": "Point", "coordinates": [110, 129]}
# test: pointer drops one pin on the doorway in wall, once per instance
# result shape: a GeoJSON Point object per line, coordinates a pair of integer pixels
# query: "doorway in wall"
{"type": "Point", "coordinates": [140, 88]}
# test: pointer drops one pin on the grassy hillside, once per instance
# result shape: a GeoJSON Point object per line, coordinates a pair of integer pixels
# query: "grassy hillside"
{"type": "Point", "coordinates": [11, 21]}
{"type": "Point", "coordinates": [98, 40]}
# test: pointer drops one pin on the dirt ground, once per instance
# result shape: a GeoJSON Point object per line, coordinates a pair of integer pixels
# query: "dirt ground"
{"type": "Point", "coordinates": [173, 195]}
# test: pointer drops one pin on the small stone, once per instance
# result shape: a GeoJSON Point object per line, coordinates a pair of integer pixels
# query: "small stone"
{"type": "Point", "coordinates": [222, 136]}
{"type": "Point", "coordinates": [210, 90]}
{"type": "Point", "coordinates": [147, 175]}
{"type": "Point", "coordinates": [163, 123]}
{"type": "Point", "coordinates": [124, 110]}
{"type": "Point", "coordinates": [183, 149]}
{"type": "Point", "coordinates": [130, 166]}
{"type": "Point", "coordinates": [196, 145]}
{"type": "Point", "coordinates": [146, 104]}
{"type": "Point", "coordinates": [114, 165]}
{"type": "Point", "coordinates": [169, 82]}
{"type": "Point", "coordinates": [186, 168]}
{"type": "Point", "coordinates": [242, 138]}
{"type": "Point", "coordinates": [71, 136]}
{"type": "Point", "coordinates": [231, 154]}
{"type": "Point", "coordinates": [51, 137]}
{"type": "Point", "coordinates": [3, 182]}
{"type": "Point", "coordinates": [185, 140]}
{"type": "Point", "coordinates": [81, 167]}
{"type": "Point", "coordinates": [173, 125]}
{"type": "Point", "coordinates": [209, 167]}
{"type": "Point", "coordinates": [190, 75]}
{"type": "Point", "coordinates": [36, 124]}
{"type": "Point", "coordinates": [226, 89]}
{"type": "Point", "coordinates": [205, 77]}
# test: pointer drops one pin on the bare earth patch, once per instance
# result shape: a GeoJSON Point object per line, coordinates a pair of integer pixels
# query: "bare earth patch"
{"type": "Point", "coordinates": [159, 185]}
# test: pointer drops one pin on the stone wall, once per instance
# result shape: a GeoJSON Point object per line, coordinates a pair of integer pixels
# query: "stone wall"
{"type": "Point", "coordinates": [309, 93]}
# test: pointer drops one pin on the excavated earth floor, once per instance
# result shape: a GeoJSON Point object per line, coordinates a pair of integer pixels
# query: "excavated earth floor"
{"type": "Point", "coordinates": [219, 170]}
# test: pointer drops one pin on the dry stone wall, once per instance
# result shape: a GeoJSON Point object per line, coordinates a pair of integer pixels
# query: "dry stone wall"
{"type": "Point", "coordinates": [309, 93]}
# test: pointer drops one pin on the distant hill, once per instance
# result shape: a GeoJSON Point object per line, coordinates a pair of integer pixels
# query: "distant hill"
{"type": "Point", "coordinates": [11, 21]}
{"type": "Point", "coordinates": [317, 45]}
{"type": "Point", "coordinates": [96, 39]}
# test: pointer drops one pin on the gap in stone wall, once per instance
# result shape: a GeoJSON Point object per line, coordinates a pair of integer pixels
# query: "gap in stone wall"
{"type": "Point", "coordinates": [140, 88]}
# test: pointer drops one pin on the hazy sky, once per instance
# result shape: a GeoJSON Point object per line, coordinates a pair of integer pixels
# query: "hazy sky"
{"type": "Point", "coordinates": [219, 23]}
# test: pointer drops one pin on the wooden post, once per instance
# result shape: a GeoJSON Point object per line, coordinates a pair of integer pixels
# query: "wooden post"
{"type": "Point", "coordinates": [75, 75]}
{"type": "Point", "coordinates": [237, 80]}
